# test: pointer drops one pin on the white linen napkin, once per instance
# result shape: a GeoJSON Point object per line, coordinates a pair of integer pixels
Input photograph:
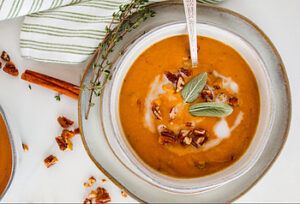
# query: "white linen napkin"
{"type": "Point", "coordinates": [62, 31]}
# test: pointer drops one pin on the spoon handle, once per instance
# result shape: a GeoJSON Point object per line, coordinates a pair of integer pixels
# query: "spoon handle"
{"type": "Point", "coordinates": [190, 14]}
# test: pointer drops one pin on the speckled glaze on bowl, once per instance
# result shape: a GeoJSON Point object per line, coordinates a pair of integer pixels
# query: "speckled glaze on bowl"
{"type": "Point", "coordinates": [121, 171]}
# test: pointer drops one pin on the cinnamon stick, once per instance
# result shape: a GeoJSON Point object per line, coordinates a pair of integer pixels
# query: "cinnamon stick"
{"type": "Point", "coordinates": [51, 83]}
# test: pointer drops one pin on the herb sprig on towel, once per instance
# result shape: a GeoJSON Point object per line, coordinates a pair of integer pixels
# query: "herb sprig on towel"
{"type": "Point", "coordinates": [120, 25]}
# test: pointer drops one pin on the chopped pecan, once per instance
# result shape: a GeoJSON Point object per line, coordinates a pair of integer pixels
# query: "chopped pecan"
{"type": "Point", "coordinates": [156, 112]}
{"type": "Point", "coordinates": [222, 97]}
{"type": "Point", "coordinates": [189, 124]}
{"type": "Point", "coordinates": [11, 69]}
{"type": "Point", "coordinates": [103, 180]}
{"type": "Point", "coordinates": [90, 182]}
{"type": "Point", "coordinates": [199, 137]}
{"type": "Point", "coordinates": [25, 147]}
{"type": "Point", "coordinates": [167, 137]}
{"type": "Point", "coordinates": [207, 94]}
{"type": "Point", "coordinates": [233, 101]}
{"type": "Point", "coordinates": [187, 140]}
{"type": "Point", "coordinates": [64, 143]}
{"type": "Point", "coordinates": [64, 122]}
{"type": "Point", "coordinates": [186, 72]}
{"type": "Point", "coordinates": [171, 77]}
{"type": "Point", "coordinates": [179, 84]}
{"type": "Point", "coordinates": [67, 134]}
{"type": "Point", "coordinates": [87, 201]}
{"type": "Point", "coordinates": [173, 112]}
{"type": "Point", "coordinates": [92, 194]}
{"type": "Point", "coordinates": [124, 194]}
{"type": "Point", "coordinates": [5, 56]}
{"type": "Point", "coordinates": [50, 160]}
{"type": "Point", "coordinates": [184, 137]}
{"type": "Point", "coordinates": [102, 196]}
{"type": "Point", "coordinates": [76, 131]}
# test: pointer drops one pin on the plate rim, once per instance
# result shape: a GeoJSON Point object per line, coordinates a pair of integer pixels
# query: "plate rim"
{"type": "Point", "coordinates": [284, 77]}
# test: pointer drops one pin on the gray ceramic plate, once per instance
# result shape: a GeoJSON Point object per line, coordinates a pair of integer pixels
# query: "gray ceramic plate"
{"type": "Point", "coordinates": [96, 138]}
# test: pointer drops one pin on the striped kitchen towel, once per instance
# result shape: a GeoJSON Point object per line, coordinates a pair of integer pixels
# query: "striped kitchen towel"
{"type": "Point", "coordinates": [62, 31]}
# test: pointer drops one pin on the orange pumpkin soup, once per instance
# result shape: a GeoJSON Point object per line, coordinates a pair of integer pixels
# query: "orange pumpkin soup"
{"type": "Point", "coordinates": [161, 122]}
{"type": "Point", "coordinates": [5, 156]}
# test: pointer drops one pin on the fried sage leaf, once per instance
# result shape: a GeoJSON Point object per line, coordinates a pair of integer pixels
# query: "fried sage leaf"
{"type": "Point", "coordinates": [211, 109]}
{"type": "Point", "coordinates": [191, 90]}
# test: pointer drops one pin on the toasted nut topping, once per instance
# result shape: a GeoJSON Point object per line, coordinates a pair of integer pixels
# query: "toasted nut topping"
{"type": "Point", "coordinates": [189, 124]}
{"type": "Point", "coordinates": [90, 182]}
{"type": "Point", "coordinates": [180, 84]}
{"type": "Point", "coordinates": [5, 56]}
{"type": "Point", "coordinates": [207, 94]}
{"type": "Point", "coordinates": [171, 77]}
{"type": "Point", "coordinates": [67, 134]}
{"type": "Point", "coordinates": [187, 140]}
{"type": "Point", "coordinates": [11, 69]}
{"type": "Point", "coordinates": [50, 160]}
{"type": "Point", "coordinates": [87, 201]}
{"type": "Point", "coordinates": [64, 143]}
{"type": "Point", "coordinates": [186, 72]}
{"type": "Point", "coordinates": [103, 180]}
{"type": "Point", "coordinates": [64, 122]}
{"type": "Point", "coordinates": [25, 147]}
{"type": "Point", "coordinates": [184, 133]}
{"type": "Point", "coordinates": [156, 112]}
{"type": "Point", "coordinates": [92, 194]}
{"type": "Point", "coordinates": [124, 194]}
{"type": "Point", "coordinates": [222, 97]}
{"type": "Point", "coordinates": [173, 113]}
{"type": "Point", "coordinates": [233, 101]}
{"type": "Point", "coordinates": [102, 196]}
{"type": "Point", "coordinates": [199, 132]}
{"type": "Point", "coordinates": [167, 136]}
{"type": "Point", "coordinates": [76, 131]}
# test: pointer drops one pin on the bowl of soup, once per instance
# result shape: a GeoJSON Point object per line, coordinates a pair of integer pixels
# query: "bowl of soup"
{"type": "Point", "coordinates": [184, 128]}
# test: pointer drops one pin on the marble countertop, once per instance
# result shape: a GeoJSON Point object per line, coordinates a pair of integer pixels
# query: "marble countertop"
{"type": "Point", "coordinates": [34, 114]}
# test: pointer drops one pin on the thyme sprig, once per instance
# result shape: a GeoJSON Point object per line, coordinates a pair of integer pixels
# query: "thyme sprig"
{"type": "Point", "coordinates": [120, 25]}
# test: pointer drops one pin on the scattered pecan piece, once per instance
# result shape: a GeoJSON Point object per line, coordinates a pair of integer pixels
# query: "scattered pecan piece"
{"type": "Point", "coordinates": [233, 101]}
{"type": "Point", "coordinates": [187, 140]}
{"type": "Point", "coordinates": [103, 180]}
{"type": "Point", "coordinates": [64, 122]}
{"type": "Point", "coordinates": [179, 84]}
{"type": "Point", "coordinates": [90, 182]}
{"type": "Point", "coordinates": [5, 56]}
{"type": "Point", "coordinates": [92, 194]}
{"type": "Point", "coordinates": [102, 195]}
{"type": "Point", "coordinates": [199, 137]}
{"type": "Point", "coordinates": [173, 112]}
{"type": "Point", "coordinates": [184, 137]}
{"type": "Point", "coordinates": [167, 137]}
{"type": "Point", "coordinates": [11, 69]}
{"type": "Point", "coordinates": [189, 124]}
{"type": "Point", "coordinates": [67, 134]}
{"type": "Point", "coordinates": [207, 94]}
{"type": "Point", "coordinates": [87, 201]}
{"type": "Point", "coordinates": [186, 72]}
{"type": "Point", "coordinates": [76, 131]}
{"type": "Point", "coordinates": [171, 77]}
{"type": "Point", "coordinates": [50, 160]}
{"type": "Point", "coordinates": [64, 143]}
{"type": "Point", "coordinates": [156, 112]}
{"type": "Point", "coordinates": [124, 194]}
{"type": "Point", "coordinates": [222, 97]}
{"type": "Point", "coordinates": [25, 147]}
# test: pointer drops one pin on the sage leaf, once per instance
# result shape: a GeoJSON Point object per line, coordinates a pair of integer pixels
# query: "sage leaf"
{"type": "Point", "coordinates": [191, 90]}
{"type": "Point", "coordinates": [211, 109]}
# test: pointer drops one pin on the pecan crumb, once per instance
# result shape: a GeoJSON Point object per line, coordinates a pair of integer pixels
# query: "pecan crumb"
{"type": "Point", "coordinates": [186, 72]}
{"type": "Point", "coordinates": [124, 194]}
{"type": "Point", "coordinates": [50, 160]}
{"type": "Point", "coordinates": [179, 84]}
{"type": "Point", "coordinates": [25, 147]}
{"type": "Point", "coordinates": [171, 77]}
{"type": "Point", "coordinates": [67, 134]}
{"type": "Point", "coordinates": [87, 201]}
{"type": "Point", "coordinates": [11, 69]}
{"type": "Point", "coordinates": [233, 101]}
{"type": "Point", "coordinates": [199, 137]}
{"type": "Point", "coordinates": [64, 143]}
{"type": "Point", "coordinates": [167, 136]}
{"type": "Point", "coordinates": [156, 112]}
{"type": "Point", "coordinates": [189, 124]}
{"type": "Point", "coordinates": [103, 180]}
{"type": "Point", "coordinates": [64, 122]}
{"type": "Point", "coordinates": [5, 56]}
{"type": "Point", "coordinates": [173, 113]}
{"type": "Point", "coordinates": [207, 94]}
{"type": "Point", "coordinates": [76, 131]}
{"type": "Point", "coordinates": [90, 182]}
{"type": "Point", "coordinates": [102, 196]}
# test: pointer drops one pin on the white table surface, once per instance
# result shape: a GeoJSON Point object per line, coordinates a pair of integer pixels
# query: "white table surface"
{"type": "Point", "coordinates": [34, 114]}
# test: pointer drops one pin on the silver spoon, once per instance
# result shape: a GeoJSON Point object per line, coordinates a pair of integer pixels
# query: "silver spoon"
{"type": "Point", "coordinates": [190, 15]}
